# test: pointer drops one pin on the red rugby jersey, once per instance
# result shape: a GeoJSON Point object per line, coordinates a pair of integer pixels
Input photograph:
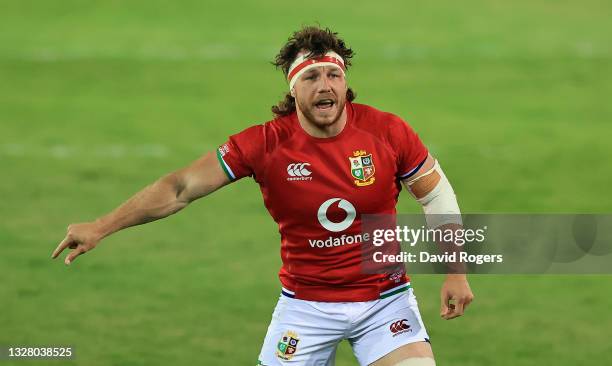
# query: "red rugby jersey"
{"type": "Point", "coordinates": [316, 189]}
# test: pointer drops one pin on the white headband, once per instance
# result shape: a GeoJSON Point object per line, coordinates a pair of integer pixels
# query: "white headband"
{"type": "Point", "coordinates": [303, 64]}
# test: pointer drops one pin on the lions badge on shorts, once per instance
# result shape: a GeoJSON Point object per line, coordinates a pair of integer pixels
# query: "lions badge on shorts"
{"type": "Point", "coordinates": [362, 168]}
{"type": "Point", "coordinates": [287, 346]}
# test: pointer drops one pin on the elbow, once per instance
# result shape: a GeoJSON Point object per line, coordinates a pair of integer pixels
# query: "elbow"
{"type": "Point", "coordinates": [172, 187]}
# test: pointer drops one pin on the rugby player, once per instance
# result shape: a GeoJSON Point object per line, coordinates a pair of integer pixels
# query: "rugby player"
{"type": "Point", "coordinates": [321, 163]}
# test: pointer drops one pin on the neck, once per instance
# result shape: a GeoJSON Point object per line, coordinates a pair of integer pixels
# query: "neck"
{"type": "Point", "coordinates": [322, 131]}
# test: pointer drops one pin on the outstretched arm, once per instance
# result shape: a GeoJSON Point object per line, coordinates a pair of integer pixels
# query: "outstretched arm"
{"type": "Point", "coordinates": [433, 191]}
{"type": "Point", "coordinates": [164, 197]}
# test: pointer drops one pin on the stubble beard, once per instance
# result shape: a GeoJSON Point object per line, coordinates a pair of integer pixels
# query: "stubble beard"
{"type": "Point", "coordinates": [309, 112]}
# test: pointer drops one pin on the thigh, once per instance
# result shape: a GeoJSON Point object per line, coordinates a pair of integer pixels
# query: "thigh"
{"type": "Point", "coordinates": [301, 333]}
{"type": "Point", "coordinates": [390, 325]}
{"type": "Point", "coordinates": [412, 350]}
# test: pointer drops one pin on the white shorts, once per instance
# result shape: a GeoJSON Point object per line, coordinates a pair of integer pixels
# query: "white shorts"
{"type": "Point", "coordinates": [308, 332]}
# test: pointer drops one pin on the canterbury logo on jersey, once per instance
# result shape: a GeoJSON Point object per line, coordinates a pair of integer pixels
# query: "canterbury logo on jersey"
{"type": "Point", "coordinates": [299, 171]}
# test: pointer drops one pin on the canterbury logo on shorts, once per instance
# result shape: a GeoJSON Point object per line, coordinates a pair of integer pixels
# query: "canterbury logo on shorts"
{"type": "Point", "coordinates": [400, 326]}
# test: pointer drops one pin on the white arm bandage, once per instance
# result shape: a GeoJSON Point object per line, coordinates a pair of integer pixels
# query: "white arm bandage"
{"type": "Point", "coordinates": [440, 204]}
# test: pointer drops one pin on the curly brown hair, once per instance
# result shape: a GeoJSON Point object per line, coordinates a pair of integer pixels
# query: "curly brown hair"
{"type": "Point", "coordinates": [318, 41]}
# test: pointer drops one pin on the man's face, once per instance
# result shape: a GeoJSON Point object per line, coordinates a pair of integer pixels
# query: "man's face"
{"type": "Point", "coordinates": [320, 94]}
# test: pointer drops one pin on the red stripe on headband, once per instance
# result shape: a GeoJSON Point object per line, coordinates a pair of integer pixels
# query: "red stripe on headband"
{"type": "Point", "coordinates": [314, 61]}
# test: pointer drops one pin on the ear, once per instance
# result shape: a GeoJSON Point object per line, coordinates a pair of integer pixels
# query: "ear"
{"type": "Point", "coordinates": [293, 92]}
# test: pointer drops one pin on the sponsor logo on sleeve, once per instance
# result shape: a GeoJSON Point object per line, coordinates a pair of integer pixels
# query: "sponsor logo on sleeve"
{"type": "Point", "coordinates": [223, 149]}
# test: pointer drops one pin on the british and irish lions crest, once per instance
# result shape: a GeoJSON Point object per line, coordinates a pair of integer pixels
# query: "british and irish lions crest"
{"type": "Point", "coordinates": [362, 168]}
{"type": "Point", "coordinates": [287, 346]}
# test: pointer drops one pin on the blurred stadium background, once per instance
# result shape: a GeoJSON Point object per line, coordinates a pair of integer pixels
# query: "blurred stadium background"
{"type": "Point", "coordinates": [99, 98]}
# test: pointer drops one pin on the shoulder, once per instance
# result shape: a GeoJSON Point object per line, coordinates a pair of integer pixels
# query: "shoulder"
{"type": "Point", "coordinates": [279, 130]}
{"type": "Point", "coordinates": [378, 122]}
{"type": "Point", "coordinates": [265, 136]}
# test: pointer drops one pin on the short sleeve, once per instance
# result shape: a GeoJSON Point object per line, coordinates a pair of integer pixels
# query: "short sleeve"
{"type": "Point", "coordinates": [410, 151]}
{"type": "Point", "coordinates": [240, 154]}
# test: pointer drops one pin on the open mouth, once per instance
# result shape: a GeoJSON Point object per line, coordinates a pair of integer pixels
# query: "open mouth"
{"type": "Point", "coordinates": [324, 104]}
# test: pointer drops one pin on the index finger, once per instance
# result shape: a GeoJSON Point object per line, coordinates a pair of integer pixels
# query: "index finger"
{"type": "Point", "coordinates": [60, 248]}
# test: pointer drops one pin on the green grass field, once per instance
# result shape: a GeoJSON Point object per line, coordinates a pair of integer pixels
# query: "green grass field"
{"type": "Point", "coordinates": [99, 98]}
